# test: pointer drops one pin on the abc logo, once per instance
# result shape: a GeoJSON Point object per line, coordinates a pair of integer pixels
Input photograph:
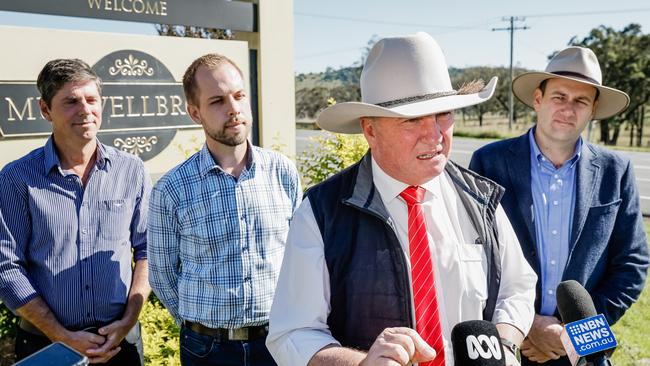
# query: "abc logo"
{"type": "Point", "coordinates": [484, 346]}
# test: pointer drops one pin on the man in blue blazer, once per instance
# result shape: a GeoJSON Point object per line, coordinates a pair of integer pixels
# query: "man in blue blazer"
{"type": "Point", "coordinates": [574, 205]}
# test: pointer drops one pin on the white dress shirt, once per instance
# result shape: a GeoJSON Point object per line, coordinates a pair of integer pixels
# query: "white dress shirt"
{"type": "Point", "coordinates": [298, 318]}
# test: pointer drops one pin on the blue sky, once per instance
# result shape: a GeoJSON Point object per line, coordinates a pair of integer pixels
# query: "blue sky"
{"type": "Point", "coordinates": [462, 28]}
{"type": "Point", "coordinates": [335, 32]}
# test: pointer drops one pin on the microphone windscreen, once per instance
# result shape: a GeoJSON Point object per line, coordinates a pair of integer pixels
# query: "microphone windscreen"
{"type": "Point", "coordinates": [477, 342]}
{"type": "Point", "coordinates": [574, 302]}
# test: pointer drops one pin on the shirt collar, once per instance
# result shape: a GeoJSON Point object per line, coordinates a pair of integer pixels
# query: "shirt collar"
{"type": "Point", "coordinates": [539, 156]}
{"type": "Point", "coordinates": [390, 188]}
{"type": "Point", "coordinates": [52, 157]}
{"type": "Point", "coordinates": [207, 162]}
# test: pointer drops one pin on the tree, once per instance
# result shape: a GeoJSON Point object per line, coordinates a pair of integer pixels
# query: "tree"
{"type": "Point", "coordinates": [502, 94]}
{"type": "Point", "coordinates": [624, 57]}
{"type": "Point", "coordinates": [193, 32]}
{"type": "Point", "coordinates": [465, 76]}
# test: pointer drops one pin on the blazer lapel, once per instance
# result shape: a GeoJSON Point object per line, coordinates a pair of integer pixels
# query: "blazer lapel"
{"type": "Point", "coordinates": [586, 180]}
{"type": "Point", "coordinates": [519, 172]}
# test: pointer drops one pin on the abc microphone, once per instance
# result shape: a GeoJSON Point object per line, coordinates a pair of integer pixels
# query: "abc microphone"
{"type": "Point", "coordinates": [477, 343]}
{"type": "Point", "coordinates": [587, 338]}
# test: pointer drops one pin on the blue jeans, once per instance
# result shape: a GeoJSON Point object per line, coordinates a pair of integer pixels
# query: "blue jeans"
{"type": "Point", "coordinates": [198, 350]}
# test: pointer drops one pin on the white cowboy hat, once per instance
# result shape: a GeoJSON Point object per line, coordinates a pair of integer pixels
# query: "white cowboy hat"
{"type": "Point", "coordinates": [578, 64]}
{"type": "Point", "coordinates": [403, 77]}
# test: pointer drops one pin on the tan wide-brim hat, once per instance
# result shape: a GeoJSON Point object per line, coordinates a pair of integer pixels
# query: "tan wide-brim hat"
{"type": "Point", "coordinates": [403, 77]}
{"type": "Point", "coordinates": [578, 64]}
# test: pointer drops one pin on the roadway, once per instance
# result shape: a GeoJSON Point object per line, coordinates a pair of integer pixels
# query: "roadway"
{"type": "Point", "coordinates": [464, 147]}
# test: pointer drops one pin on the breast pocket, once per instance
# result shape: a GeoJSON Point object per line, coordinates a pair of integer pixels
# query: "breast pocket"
{"type": "Point", "coordinates": [115, 218]}
{"type": "Point", "coordinates": [473, 267]}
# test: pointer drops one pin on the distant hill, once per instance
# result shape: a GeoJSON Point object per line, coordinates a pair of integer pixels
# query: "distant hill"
{"type": "Point", "coordinates": [314, 89]}
{"type": "Point", "coordinates": [330, 78]}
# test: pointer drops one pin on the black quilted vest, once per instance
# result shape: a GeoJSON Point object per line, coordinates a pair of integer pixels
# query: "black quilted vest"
{"type": "Point", "coordinates": [369, 283]}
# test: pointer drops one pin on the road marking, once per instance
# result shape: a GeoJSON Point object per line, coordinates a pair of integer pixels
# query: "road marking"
{"type": "Point", "coordinates": [645, 197]}
{"type": "Point", "coordinates": [641, 166]}
{"type": "Point", "coordinates": [643, 179]}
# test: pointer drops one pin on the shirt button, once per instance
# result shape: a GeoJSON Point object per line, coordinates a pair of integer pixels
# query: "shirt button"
{"type": "Point", "coordinates": [556, 176]}
{"type": "Point", "coordinates": [553, 262]}
{"type": "Point", "coordinates": [550, 292]}
{"type": "Point", "coordinates": [554, 232]}
{"type": "Point", "coordinates": [88, 315]}
{"type": "Point", "coordinates": [84, 231]}
{"type": "Point", "coordinates": [555, 203]}
{"type": "Point", "coordinates": [87, 287]}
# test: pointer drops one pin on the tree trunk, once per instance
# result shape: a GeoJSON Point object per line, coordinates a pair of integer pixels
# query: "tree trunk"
{"type": "Point", "coordinates": [604, 132]}
{"type": "Point", "coordinates": [639, 135]}
{"type": "Point", "coordinates": [632, 130]}
{"type": "Point", "coordinates": [480, 119]}
{"type": "Point", "coordinates": [617, 131]}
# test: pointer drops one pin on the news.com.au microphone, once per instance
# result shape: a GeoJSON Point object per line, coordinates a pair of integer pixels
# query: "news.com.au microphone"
{"type": "Point", "coordinates": [587, 338]}
{"type": "Point", "coordinates": [477, 343]}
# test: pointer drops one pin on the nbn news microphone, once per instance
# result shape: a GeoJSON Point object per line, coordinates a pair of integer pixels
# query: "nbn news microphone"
{"type": "Point", "coordinates": [587, 338]}
{"type": "Point", "coordinates": [477, 343]}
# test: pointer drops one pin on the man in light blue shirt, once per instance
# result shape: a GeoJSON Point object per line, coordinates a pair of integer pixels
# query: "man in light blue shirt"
{"type": "Point", "coordinates": [218, 224]}
{"type": "Point", "coordinates": [574, 205]}
{"type": "Point", "coordinates": [72, 223]}
{"type": "Point", "coordinates": [553, 189]}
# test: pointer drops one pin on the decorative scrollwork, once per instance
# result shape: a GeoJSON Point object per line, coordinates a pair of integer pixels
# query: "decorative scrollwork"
{"type": "Point", "coordinates": [131, 66]}
{"type": "Point", "coordinates": [135, 145]}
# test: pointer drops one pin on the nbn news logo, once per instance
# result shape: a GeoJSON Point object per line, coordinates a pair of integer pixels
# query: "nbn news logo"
{"type": "Point", "coordinates": [591, 335]}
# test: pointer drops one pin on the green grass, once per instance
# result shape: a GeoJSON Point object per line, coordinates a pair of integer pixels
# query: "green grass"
{"type": "Point", "coordinates": [633, 344]}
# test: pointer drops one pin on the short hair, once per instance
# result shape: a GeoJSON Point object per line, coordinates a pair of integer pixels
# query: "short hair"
{"type": "Point", "coordinates": [210, 61]}
{"type": "Point", "coordinates": [57, 72]}
{"type": "Point", "coordinates": [542, 87]}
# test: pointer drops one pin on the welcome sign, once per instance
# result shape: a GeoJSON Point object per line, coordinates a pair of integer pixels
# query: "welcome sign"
{"type": "Point", "coordinates": [223, 14]}
{"type": "Point", "coordinates": [144, 105]}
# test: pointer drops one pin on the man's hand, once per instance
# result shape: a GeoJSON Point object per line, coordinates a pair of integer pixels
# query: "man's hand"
{"type": "Point", "coordinates": [83, 341]}
{"type": "Point", "coordinates": [531, 352]}
{"type": "Point", "coordinates": [398, 347]}
{"type": "Point", "coordinates": [543, 341]}
{"type": "Point", "coordinates": [114, 333]}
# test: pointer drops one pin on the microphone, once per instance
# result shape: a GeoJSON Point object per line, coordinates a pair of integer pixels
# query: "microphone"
{"type": "Point", "coordinates": [477, 343]}
{"type": "Point", "coordinates": [587, 338]}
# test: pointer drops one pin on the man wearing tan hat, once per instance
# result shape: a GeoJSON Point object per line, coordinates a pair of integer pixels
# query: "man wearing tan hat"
{"type": "Point", "coordinates": [386, 257]}
{"type": "Point", "coordinates": [573, 205]}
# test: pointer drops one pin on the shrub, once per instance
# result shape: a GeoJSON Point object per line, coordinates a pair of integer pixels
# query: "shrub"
{"type": "Point", "coordinates": [8, 322]}
{"type": "Point", "coordinates": [328, 155]}
{"type": "Point", "coordinates": [160, 335]}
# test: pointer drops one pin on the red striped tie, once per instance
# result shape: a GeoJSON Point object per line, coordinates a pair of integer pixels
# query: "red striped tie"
{"type": "Point", "coordinates": [424, 291]}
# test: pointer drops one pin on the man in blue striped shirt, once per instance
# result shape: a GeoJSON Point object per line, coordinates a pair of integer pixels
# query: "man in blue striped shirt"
{"type": "Point", "coordinates": [218, 224]}
{"type": "Point", "coordinates": [72, 221]}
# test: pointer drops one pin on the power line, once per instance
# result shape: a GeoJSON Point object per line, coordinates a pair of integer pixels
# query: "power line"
{"type": "Point", "coordinates": [600, 12]}
{"type": "Point", "coordinates": [325, 53]}
{"type": "Point", "coordinates": [385, 22]}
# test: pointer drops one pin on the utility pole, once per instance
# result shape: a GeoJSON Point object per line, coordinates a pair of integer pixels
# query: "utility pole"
{"type": "Point", "coordinates": [512, 29]}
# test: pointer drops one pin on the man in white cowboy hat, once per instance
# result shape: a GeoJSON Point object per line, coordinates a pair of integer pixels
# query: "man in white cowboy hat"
{"type": "Point", "coordinates": [573, 205]}
{"type": "Point", "coordinates": [384, 258]}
